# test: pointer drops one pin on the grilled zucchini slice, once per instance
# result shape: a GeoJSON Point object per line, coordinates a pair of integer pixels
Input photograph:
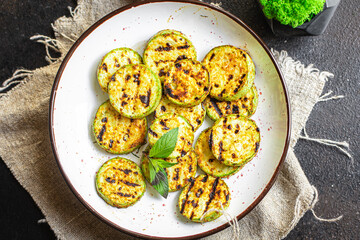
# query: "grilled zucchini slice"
{"type": "Point", "coordinates": [187, 83]}
{"type": "Point", "coordinates": [245, 106]}
{"type": "Point", "coordinates": [207, 161]}
{"type": "Point", "coordinates": [134, 91]}
{"type": "Point", "coordinates": [118, 134]}
{"type": "Point", "coordinates": [234, 140]}
{"type": "Point", "coordinates": [204, 196]}
{"type": "Point", "coordinates": [232, 72]}
{"type": "Point", "coordinates": [195, 115]}
{"type": "Point", "coordinates": [112, 62]}
{"type": "Point", "coordinates": [178, 175]}
{"type": "Point", "coordinates": [120, 182]}
{"type": "Point", "coordinates": [165, 123]}
{"type": "Point", "coordinates": [166, 31]}
{"type": "Point", "coordinates": [164, 49]}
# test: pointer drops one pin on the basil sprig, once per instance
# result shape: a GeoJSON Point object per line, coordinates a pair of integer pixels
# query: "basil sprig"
{"type": "Point", "coordinates": [162, 149]}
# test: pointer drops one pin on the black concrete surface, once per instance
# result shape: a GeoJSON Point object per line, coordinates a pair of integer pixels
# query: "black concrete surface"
{"type": "Point", "coordinates": [337, 51]}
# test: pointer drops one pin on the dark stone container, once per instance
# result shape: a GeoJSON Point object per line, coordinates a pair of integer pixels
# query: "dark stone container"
{"type": "Point", "coordinates": [315, 26]}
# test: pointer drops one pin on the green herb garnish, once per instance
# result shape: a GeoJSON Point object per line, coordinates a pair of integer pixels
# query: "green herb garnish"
{"type": "Point", "coordinates": [162, 149]}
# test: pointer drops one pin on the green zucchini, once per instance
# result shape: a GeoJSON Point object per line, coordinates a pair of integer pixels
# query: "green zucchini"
{"type": "Point", "coordinates": [187, 83]}
{"type": "Point", "coordinates": [207, 161]}
{"type": "Point", "coordinates": [120, 182]}
{"type": "Point", "coordinates": [195, 115]}
{"type": "Point", "coordinates": [204, 198]}
{"type": "Point", "coordinates": [134, 91]}
{"type": "Point", "coordinates": [245, 106]}
{"type": "Point", "coordinates": [112, 62]}
{"type": "Point", "coordinates": [232, 72]}
{"type": "Point", "coordinates": [164, 49]}
{"type": "Point", "coordinates": [234, 140]}
{"type": "Point", "coordinates": [118, 134]}
{"type": "Point", "coordinates": [169, 121]}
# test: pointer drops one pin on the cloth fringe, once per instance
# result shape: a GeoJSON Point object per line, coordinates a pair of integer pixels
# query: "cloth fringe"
{"type": "Point", "coordinates": [285, 61]}
{"type": "Point", "coordinates": [18, 76]}
{"type": "Point", "coordinates": [49, 43]}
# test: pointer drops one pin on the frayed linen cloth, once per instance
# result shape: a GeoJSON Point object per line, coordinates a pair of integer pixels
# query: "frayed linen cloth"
{"type": "Point", "coordinates": [26, 150]}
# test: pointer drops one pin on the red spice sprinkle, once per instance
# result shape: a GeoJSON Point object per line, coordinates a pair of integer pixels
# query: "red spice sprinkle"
{"type": "Point", "coordinates": [163, 205]}
{"type": "Point", "coordinates": [242, 175]}
{"type": "Point", "coordinates": [243, 202]}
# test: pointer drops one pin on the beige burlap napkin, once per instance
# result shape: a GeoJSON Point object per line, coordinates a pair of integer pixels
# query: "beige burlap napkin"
{"type": "Point", "coordinates": [25, 145]}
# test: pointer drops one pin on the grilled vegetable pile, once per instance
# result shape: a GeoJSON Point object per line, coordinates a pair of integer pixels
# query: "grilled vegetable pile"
{"type": "Point", "coordinates": [172, 86]}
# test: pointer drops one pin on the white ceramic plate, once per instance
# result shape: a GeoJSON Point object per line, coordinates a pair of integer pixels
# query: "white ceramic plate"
{"type": "Point", "coordinates": [76, 96]}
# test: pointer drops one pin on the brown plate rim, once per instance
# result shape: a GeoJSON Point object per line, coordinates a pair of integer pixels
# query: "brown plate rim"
{"type": "Point", "coordinates": [53, 96]}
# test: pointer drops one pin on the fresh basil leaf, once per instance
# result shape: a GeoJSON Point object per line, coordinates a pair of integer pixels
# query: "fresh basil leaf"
{"type": "Point", "coordinates": [165, 145]}
{"type": "Point", "coordinates": [152, 171]}
{"type": "Point", "coordinates": [160, 183]}
{"type": "Point", "coordinates": [162, 163]}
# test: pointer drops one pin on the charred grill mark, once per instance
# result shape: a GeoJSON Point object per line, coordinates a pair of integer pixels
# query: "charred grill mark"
{"type": "Point", "coordinates": [216, 85]}
{"type": "Point", "coordinates": [181, 57]}
{"type": "Point", "coordinates": [216, 107]}
{"type": "Point", "coordinates": [211, 140]}
{"type": "Point", "coordinates": [256, 146]}
{"type": "Point", "coordinates": [111, 143]}
{"type": "Point", "coordinates": [222, 93]}
{"type": "Point", "coordinates": [123, 103]}
{"type": "Point", "coordinates": [236, 131]}
{"type": "Point", "coordinates": [126, 171]}
{"type": "Point", "coordinates": [169, 92]}
{"type": "Point", "coordinates": [183, 153]}
{"type": "Point", "coordinates": [230, 77]}
{"type": "Point", "coordinates": [177, 65]}
{"type": "Point", "coordinates": [242, 77]}
{"type": "Point", "coordinates": [162, 73]}
{"type": "Point", "coordinates": [104, 120]}
{"type": "Point", "coordinates": [109, 180]}
{"type": "Point", "coordinates": [227, 195]}
{"type": "Point", "coordinates": [162, 123]}
{"type": "Point", "coordinates": [228, 105]}
{"type": "Point", "coordinates": [177, 174]}
{"type": "Point", "coordinates": [187, 196]}
{"type": "Point", "coordinates": [192, 215]}
{"type": "Point", "coordinates": [129, 183]}
{"type": "Point", "coordinates": [220, 149]}
{"type": "Point", "coordinates": [236, 89]}
{"type": "Point", "coordinates": [146, 98]}
{"type": "Point", "coordinates": [212, 193]}
{"type": "Point", "coordinates": [112, 78]}
{"type": "Point", "coordinates": [124, 95]}
{"type": "Point", "coordinates": [190, 168]}
{"type": "Point", "coordinates": [129, 61]}
{"type": "Point", "coordinates": [205, 178]}
{"type": "Point", "coordinates": [163, 108]}
{"type": "Point", "coordinates": [126, 137]}
{"type": "Point", "coordinates": [194, 204]}
{"type": "Point", "coordinates": [124, 194]}
{"type": "Point", "coordinates": [164, 49]}
{"type": "Point", "coordinates": [235, 109]}
{"type": "Point", "coordinates": [244, 55]}
{"type": "Point", "coordinates": [102, 131]}
{"type": "Point", "coordinates": [117, 63]}
{"type": "Point", "coordinates": [229, 127]}
{"type": "Point", "coordinates": [206, 89]}
{"type": "Point", "coordinates": [183, 47]}
{"type": "Point", "coordinates": [257, 129]}
{"type": "Point", "coordinates": [127, 77]}
{"type": "Point", "coordinates": [199, 192]}
{"type": "Point", "coordinates": [233, 155]}
{"type": "Point", "coordinates": [152, 132]}
{"type": "Point", "coordinates": [212, 56]}
{"type": "Point", "coordinates": [104, 67]}
{"type": "Point", "coordinates": [243, 106]}
{"type": "Point", "coordinates": [198, 121]}
{"type": "Point", "coordinates": [186, 71]}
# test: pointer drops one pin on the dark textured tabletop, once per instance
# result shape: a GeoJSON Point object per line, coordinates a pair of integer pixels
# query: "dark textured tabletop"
{"type": "Point", "coordinates": [331, 171]}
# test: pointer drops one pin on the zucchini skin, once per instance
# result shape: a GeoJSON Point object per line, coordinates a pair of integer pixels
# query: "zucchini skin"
{"type": "Point", "coordinates": [135, 91]}
{"type": "Point", "coordinates": [120, 182]}
{"type": "Point", "coordinates": [165, 123]}
{"type": "Point", "coordinates": [245, 106]}
{"type": "Point", "coordinates": [195, 115]}
{"type": "Point", "coordinates": [207, 161]}
{"type": "Point", "coordinates": [113, 61]}
{"type": "Point", "coordinates": [232, 72]}
{"type": "Point", "coordinates": [178, 175]}
{"type": "Point", "coordinates": [187, 83]}
{"type": "Point", "coordinates": [234, 140]}
{"type": "Point", "coordinates": [118, 134]}
{"type": "Point", "coordinates": [203, 194]}
{"type": "Point", "coordinates": [164, 49]}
